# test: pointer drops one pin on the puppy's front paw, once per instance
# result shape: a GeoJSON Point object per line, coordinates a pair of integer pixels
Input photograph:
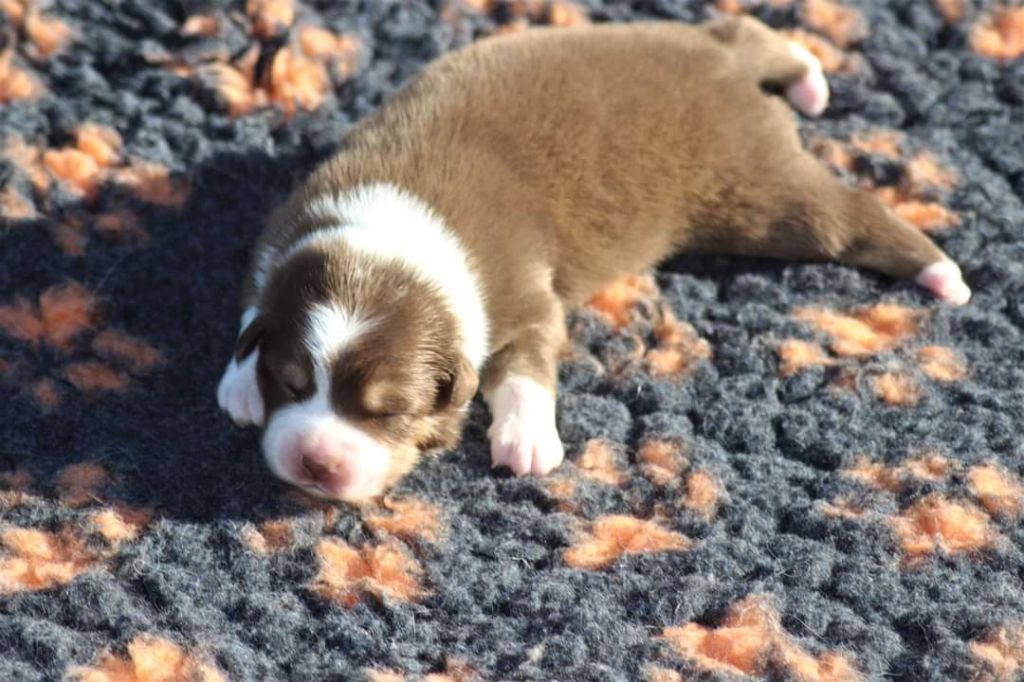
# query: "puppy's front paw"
{"type": "Point", "coordinates": [526, 445]}
{"type": "Point", "coordinates": [523, 436]}
{"type": "Point", "coordinates": [239, 393]}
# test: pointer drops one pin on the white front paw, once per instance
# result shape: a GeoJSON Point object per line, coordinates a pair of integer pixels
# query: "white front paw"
{"type": "Point", "coordinates": [239, 393]}
{"type": "Point", "coordinates": [523, 436]}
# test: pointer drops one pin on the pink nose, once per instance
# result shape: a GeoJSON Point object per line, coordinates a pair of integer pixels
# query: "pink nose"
{"type": "Point", "coordinates": [328, 470]}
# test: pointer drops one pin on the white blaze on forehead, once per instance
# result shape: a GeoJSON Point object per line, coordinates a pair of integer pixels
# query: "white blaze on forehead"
{"type": "Point", "coordinates": [385, 222]}
{"type": "Point", "coordinates": [329, 329]}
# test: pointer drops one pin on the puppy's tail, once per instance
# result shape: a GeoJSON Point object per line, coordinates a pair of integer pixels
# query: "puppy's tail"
{"type": "Point", "coordinates": [774, 62]}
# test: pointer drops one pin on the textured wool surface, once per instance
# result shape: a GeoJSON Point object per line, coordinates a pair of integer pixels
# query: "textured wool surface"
{"type": "Point", "coordinates": [794, 471]}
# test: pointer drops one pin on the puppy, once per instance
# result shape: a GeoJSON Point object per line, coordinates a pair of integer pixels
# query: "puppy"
{"type": "Point", "coordinates": [440, 249]}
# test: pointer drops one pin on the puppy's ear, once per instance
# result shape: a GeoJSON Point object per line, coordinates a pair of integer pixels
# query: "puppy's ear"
{"type": "Point", "coordinates": [458, 385]}
{"type": "Point", "coordinates": [249, 339]}
{"type": "Point", "coordinates": [724, 30]}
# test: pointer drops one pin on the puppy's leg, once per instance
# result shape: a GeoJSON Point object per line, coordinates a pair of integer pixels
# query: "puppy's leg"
{"type": "Point", "coordinates": [519, 386]}
{"type": "Point", "coordinates": [810, 214]}
{"type": "Point", "coordinates": [775, 62]}
{"type": "Point", "coordinates": [880, 241]}
{"type": "Point", "coordinates": [238, 392]}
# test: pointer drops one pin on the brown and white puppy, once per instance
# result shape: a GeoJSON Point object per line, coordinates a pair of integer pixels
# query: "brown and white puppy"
{"type": "Point", "coordinates": [508, 183]}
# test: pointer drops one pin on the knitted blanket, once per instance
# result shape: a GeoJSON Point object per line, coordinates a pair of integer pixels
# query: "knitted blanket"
{"type": "Point", "coordinates": [785, 471]}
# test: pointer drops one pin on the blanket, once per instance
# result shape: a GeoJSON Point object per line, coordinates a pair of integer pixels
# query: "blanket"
{"type": "Point", "coordinates": [774, 470]}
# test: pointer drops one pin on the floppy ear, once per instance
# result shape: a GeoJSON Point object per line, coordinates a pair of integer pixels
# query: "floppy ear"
{"type": "Point", "coordinates": [249, 339]}
{"type": "Point", "coordinates": [458, 386]}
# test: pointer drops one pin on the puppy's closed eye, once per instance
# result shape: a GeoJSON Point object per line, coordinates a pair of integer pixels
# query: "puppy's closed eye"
{"type": "Point", "coordinates": [294, 382]}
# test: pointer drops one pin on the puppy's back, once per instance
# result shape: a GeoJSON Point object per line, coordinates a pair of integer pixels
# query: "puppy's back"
{"type": "Point", "coordinates": [599, 135]}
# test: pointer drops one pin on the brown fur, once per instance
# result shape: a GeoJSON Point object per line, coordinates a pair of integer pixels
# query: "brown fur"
{"type": "Point", "coordinates": [565, 158]}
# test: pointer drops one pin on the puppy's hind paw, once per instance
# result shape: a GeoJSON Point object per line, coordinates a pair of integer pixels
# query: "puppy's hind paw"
{"type": "Point", "coordinates": [944, 279]}
{"type": "Point", "coordinates": [810, 93]}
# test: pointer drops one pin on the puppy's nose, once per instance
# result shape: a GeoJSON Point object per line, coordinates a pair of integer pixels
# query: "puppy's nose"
{"type": "Point", "coordinates": [316, 468]}
{"type": "Point", "coordinates": [326, 468]}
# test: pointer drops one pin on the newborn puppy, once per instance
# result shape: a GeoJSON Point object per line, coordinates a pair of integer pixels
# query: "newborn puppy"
{"type": "Point", "coordinates": [509, 182]}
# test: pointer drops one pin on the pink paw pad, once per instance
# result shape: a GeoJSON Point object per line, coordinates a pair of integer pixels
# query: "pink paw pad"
{"type": "Point", "coordinates": [810, 93]}
{"type": "Point", "coordinates": [943, 278]}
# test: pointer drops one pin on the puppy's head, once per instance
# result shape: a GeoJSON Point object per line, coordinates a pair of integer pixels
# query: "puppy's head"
{"type": "Point", "coordinates": [360, 369]}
